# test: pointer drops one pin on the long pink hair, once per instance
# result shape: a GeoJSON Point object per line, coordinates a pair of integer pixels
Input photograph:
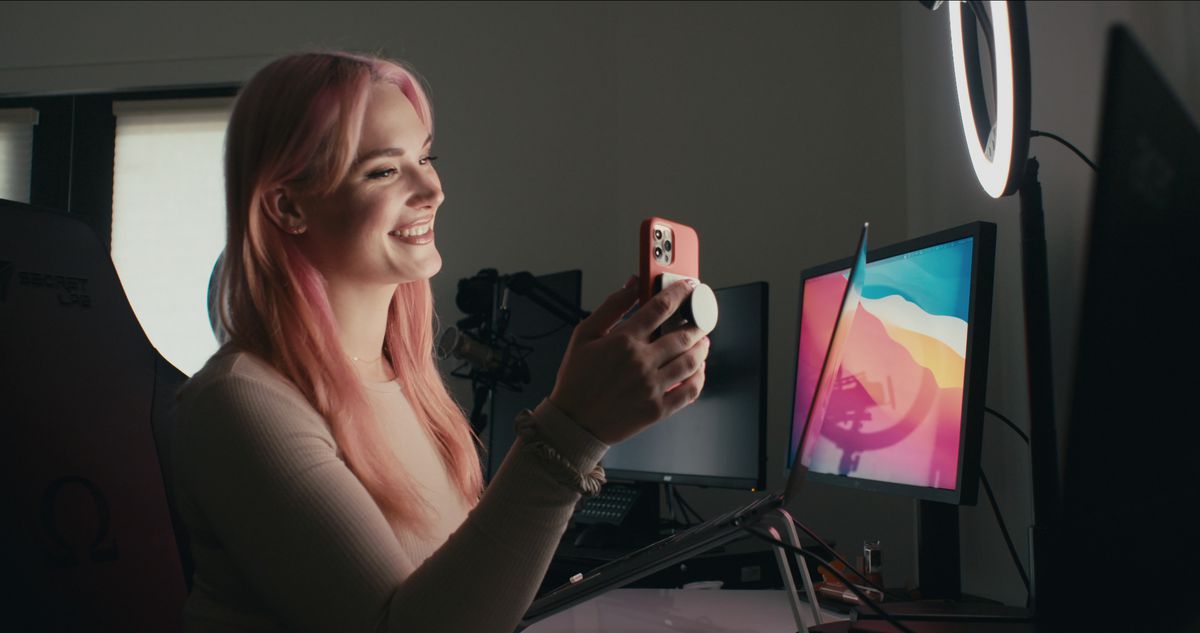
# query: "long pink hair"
{"type": "Point", "coordinates": [297, 123]}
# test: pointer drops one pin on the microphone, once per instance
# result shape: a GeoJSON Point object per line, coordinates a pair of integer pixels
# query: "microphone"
{"type": "Point", "coordinates": [459, 344]}
{"type": "Point", "coordinates": [496, 362]}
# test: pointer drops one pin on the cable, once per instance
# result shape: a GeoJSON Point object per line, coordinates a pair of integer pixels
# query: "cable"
{"type": "Point", "coordinates": [862, 596]}
{"type": "Point", "coordinates": [671, 504]}
{"type": "Point", "coordinates": [867, 581]}
{"type": "Point", "coordinates": [1009, 422]}
{"type": "Point", "coordinates": [987, 487]}
{"type": "Point", "coordinates": [1035, 133]}
{"type": "Point", "coordinates": [687, 507]}
{"type": "Point", "coordinates": [534, 337]}
{"type": "Point", "coordinates": [688, 512]}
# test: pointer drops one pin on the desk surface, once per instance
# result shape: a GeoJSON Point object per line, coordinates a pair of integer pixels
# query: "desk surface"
{"type": "Point", "coordinates": [674, 610]}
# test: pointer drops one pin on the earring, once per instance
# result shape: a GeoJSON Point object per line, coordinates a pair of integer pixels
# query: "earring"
{"type": "Point", "coordinates": [296, 230]}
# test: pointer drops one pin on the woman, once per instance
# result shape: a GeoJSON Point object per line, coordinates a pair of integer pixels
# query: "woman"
{"type": "Point", "coordinates": [327, 479]}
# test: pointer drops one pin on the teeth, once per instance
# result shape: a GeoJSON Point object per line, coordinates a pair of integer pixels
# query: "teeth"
{"type": "Point", "coordinates": [414, 231]}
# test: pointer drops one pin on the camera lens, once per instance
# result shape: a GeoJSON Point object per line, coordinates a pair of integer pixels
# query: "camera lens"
{"type": "Point", "coordinates": [657, 253]}
{"type": "Point", "coordinates": [667, 245]}
{"type": "Point", "coordinates": [657, 234]}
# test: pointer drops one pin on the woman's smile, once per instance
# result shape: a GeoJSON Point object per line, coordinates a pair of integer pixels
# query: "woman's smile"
{"type": "Point", "coordinates": [420, 232]}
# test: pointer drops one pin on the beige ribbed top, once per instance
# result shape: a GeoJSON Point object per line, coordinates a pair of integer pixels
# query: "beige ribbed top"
{"type": "Point", "coordinates": [285, 538]}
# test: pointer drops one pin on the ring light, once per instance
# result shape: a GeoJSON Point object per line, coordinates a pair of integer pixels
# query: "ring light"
{"type": "Point", "coordinates": [998, 149]}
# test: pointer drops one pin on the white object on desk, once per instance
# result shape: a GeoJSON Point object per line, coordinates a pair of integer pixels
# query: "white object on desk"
{"type": "Point", "coordinates": [675, 610]}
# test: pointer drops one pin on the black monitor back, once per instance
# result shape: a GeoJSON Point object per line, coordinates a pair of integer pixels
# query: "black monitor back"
{"type": "Point", "coordinates": [1131, 473]}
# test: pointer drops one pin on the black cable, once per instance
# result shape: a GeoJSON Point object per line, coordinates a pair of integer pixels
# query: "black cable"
{"type": "Point", "coordinates": [1009, 422]}
{"type": "Point", "coordinates": [987, 487]}
{"type": "Point", "coordinates": [687, 506]}
{"type": "Point", "coordinates": [534, 337]}
{"type": "Point", "coordinates": [1035, 133]}
{"type": "Point", "coordinates": [671, 496]}
{"type": "Point", "coordinates": [862, 596]}
{"type": "Point", "coordinates": [867, 581]}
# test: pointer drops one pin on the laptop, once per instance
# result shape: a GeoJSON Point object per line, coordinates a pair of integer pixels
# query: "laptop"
{"type": "Point", "coordinates": [729, 526]}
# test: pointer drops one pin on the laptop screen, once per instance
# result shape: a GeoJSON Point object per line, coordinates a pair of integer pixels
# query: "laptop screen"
{"type": "Point", "coordinates": [896, 414]}
{"type": "Point", "coordinates": [810, 406]}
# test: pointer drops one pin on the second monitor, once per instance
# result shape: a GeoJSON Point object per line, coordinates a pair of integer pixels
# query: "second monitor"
{"type": "Point", "coordinates": [718, 440]}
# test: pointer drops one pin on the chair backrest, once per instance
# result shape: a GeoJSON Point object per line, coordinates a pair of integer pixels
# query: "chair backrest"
{"type": "Point", "coordinates": [82, 396]}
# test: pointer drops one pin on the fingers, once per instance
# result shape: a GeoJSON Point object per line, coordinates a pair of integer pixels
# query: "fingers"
{"type": "Point", "coordinates": [684, 393]}
{"type": "Point", "coordinates": [652, 315]}
{"type": "Point", "coordinates": [608, 313]}
{"type": "Point", "coordinates": [670, 346]}
{"type": "Point", "coordinates": [684, 365]}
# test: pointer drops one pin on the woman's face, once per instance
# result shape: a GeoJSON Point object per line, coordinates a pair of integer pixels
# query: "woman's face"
{"type": "Point", "coordinates": [377, 227]}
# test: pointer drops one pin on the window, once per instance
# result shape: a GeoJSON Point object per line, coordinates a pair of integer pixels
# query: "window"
{"type": "Point", "coordinates": [144, 170]}
{"type": "Point", "coordinates": [16, 152]}
{"type": "Point", "coordinates": [168, 218]}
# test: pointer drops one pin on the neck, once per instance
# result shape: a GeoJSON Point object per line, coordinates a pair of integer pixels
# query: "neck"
{"type": "Point", "coordinates": [360, 315]}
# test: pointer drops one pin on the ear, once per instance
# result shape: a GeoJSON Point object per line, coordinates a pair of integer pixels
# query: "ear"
{"type": "Point", "coordinates": [281, 208]}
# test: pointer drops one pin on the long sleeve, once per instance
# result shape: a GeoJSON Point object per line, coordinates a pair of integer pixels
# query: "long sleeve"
{"type": "Point", "coordinates": [287, 538]}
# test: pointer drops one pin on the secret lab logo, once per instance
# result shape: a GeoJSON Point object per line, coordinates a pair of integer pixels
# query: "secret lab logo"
{"type": "Point", "coordinates": [70, 291]}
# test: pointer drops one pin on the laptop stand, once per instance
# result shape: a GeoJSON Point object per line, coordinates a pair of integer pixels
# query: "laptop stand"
{"type": "Point", "coordinates": [785, 571]}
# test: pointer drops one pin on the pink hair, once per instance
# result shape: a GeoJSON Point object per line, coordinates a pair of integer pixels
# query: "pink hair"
{"type": "Point", "coordinates": [297, 122]}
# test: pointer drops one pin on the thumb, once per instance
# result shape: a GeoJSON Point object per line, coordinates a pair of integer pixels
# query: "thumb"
{"type": "Point", "coordinates": [608, 313]}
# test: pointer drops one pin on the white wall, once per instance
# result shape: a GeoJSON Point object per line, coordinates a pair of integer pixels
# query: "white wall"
{"type": "Point", "coordinates": [1067, 46]}
{"type": "Point", "coordinates": [773, 128]}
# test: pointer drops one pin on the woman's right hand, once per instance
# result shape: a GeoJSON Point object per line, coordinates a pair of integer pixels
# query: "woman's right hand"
{"type": "Point", "coordinates": [617, 379]}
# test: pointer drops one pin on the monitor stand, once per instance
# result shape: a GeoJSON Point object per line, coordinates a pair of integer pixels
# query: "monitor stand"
{"type": "Point", "coordinates": [939, 574]}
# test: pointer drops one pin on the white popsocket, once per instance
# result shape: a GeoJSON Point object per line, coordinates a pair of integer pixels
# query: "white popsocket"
{"type": "Point", "coordinates": [700, 308]}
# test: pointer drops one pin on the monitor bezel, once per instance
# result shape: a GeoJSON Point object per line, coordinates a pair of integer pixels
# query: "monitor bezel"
{"type": "Point", "coordinates": [979, 315]}
{"type": "Point", "coordinates": [759, 482]}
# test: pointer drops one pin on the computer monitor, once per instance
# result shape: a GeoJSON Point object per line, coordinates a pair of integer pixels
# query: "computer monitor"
{"type": "Point", "coordinates": [719, 440]}
{"type": "Point", "coordinates": [1130, 475]}
{"type": "Point", "coordinates": [906, 414]}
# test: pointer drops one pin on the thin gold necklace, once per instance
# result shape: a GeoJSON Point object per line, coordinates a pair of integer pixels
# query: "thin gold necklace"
{"type": "Point", "coordinates": [365, 360]}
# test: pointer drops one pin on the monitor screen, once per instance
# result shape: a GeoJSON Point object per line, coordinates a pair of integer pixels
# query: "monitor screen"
{"type": "Point", "coordinates": [907, 404]}
{"type": "Point", "coordinates": [718, 440]}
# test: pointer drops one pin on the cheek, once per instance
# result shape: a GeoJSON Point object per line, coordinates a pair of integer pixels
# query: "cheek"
{"type": "Point", "coordinates": [363, 216]}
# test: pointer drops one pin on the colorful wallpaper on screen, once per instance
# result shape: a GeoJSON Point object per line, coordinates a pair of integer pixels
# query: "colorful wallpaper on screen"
{"type": "Point", "coordinates": [896, 411]}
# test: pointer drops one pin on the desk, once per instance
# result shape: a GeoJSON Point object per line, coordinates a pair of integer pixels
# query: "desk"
{"type": "Point", "coordinates": [675, 610]}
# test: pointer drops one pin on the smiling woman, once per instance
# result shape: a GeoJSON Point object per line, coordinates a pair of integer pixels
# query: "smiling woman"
{"type": "Point", "coordinates": [327, 478]}
{"type": "Point", "coordinates": [377, 225]}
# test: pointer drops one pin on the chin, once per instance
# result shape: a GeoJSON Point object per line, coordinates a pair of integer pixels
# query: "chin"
{"type": "Point", "coordinates": [425, 270]}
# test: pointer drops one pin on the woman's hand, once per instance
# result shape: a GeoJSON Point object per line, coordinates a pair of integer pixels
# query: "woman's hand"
{"type": "Point", "coordinates": [616, 379]}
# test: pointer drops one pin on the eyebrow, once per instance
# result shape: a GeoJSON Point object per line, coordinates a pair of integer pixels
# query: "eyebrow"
{"type": "Point", "coordinates": [386, 151]}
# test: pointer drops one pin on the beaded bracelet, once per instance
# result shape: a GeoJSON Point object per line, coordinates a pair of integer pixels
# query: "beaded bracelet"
{"type": "Point", "coordinates": [559, 467]}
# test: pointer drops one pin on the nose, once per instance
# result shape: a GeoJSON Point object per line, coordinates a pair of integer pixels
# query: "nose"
{"type": "Point", "coordinates": [427, 191]}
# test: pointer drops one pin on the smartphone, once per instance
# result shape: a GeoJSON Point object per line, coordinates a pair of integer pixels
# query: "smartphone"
{"type": "Point", "coordinates": [666, 251]}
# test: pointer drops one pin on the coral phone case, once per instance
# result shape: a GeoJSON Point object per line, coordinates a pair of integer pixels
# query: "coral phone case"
{"type": "Point", "coordinates": [665, 247]}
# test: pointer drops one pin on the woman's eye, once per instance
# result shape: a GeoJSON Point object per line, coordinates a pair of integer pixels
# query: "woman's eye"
{"type": "Point", "coordinates": [426, 160]}
{"type": "Point", "coordinates": [382, 173]}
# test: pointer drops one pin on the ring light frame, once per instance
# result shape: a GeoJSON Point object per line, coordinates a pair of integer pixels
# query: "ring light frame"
{"type": "Point", "coordinates": [998, 150]}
